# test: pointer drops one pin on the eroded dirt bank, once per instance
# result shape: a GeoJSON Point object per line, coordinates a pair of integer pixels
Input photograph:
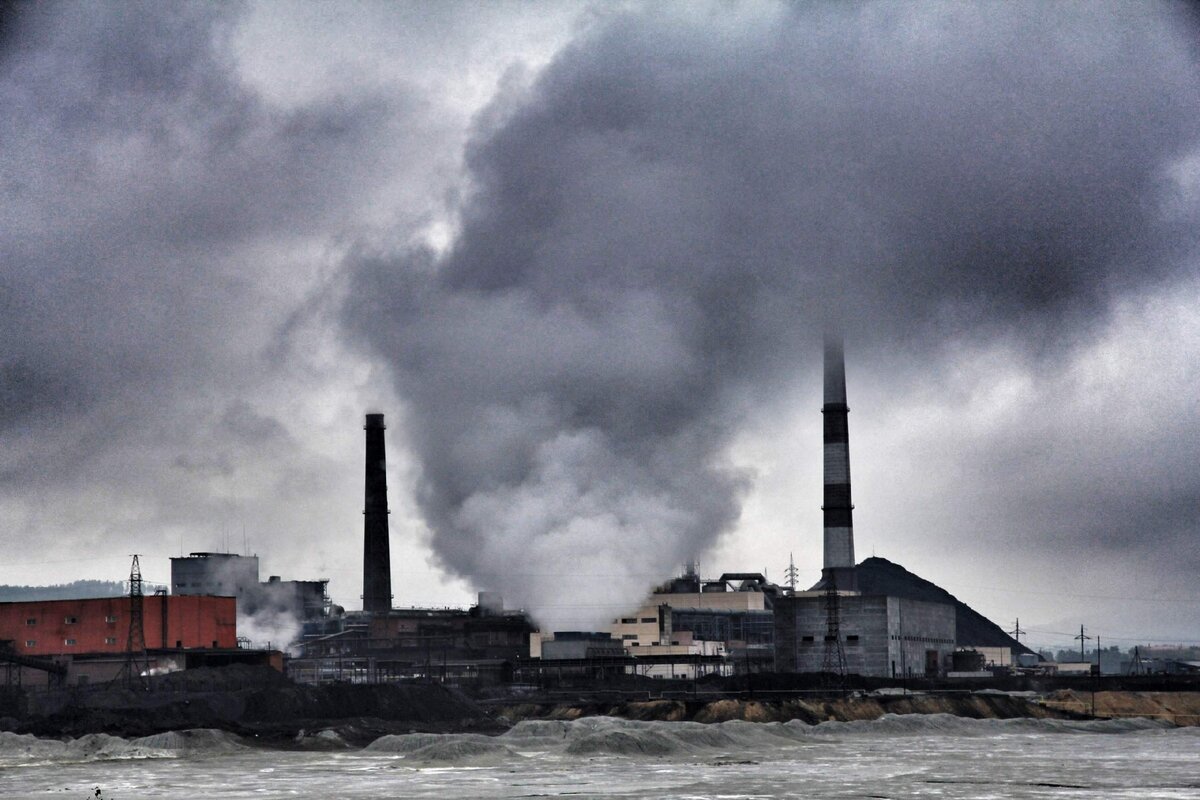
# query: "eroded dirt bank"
{"type": "Point", "coordinates": [266, 707]}
{"type": "Point", "coordinates": [1180, 708]}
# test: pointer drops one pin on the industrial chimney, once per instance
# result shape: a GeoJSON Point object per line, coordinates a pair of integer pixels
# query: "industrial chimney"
{"type": "Point", "coordinates": [377, 564]}
{"type": "Point", "coordinates": [839, 528]}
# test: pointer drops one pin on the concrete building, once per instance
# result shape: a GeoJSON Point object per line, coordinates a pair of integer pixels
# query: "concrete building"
{"type": "Point", "coordinates": [730, 616]}
{"type": "Point", "coordinates": [579, 645]}
{"type": "Point", "coordinates": [237, 576]}
{"type": "Point", "coordinates": [219, 574]}
{"type": "Point", "coordinates": [686, 659]}
{"type": "Point", "coordinates": [476, 645]}
{"type": "Point", "coordinates": [880, 636]}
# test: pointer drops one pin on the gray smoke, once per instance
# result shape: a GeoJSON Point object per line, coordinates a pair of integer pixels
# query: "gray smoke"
{"type": "Point", "coordinates": [661, 226]}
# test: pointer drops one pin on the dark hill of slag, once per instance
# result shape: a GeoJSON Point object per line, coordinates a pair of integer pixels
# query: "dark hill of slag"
{"type": "Point", "coordinates": [878, 576]}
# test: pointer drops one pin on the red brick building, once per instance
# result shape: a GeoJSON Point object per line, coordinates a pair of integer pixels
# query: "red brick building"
{"type": "Point", "coordinates": [101, 625]}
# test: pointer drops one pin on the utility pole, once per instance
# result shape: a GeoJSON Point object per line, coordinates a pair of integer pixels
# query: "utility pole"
{"type": "Point", "coordinates": [1082, 639]}
{"type": "Point", "coordinates": [791, 573]}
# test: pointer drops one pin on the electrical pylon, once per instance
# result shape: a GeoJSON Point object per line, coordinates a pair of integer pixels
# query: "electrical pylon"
{"type": "Point", "coordinates": [134, 671]}
{"type": "Point", "coordinates": [791, 573]}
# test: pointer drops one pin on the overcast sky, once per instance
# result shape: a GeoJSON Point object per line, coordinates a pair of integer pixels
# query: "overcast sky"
{"type": "Point", "coordinates": [581, 256]}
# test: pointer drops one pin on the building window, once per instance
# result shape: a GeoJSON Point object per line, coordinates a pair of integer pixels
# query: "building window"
{"type": "Point", "coordinates": [628, 636]}
{"type": "Point", "coordinates": [628, 620]}
{"type": "Point", "coordinates": [110, 640]}
{"type": "Point", "coordinates": [31, 622]}
{"type": "Point", "coordinates": [111, 618]}
{"type": "Point", "coordinates": [649, 619]}
{"type": "Point", "coordinates": [70, 620]}
{"type": "Point", "coordinates": [807, 639]}
{"type": "Point", "coordinates": [852, 638]}
{"type": "Point", "coordinates": [69, 642]}
{"type": "Point", "coordinates": [30, 642]}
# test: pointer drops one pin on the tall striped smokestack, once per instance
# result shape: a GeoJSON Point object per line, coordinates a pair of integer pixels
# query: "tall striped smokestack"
{"type": "Point", "coordinates": [839, 527]}
{"type": "Point", "coordinates": [377, 563]}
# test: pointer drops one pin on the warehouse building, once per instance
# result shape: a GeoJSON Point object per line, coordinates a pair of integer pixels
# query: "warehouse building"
{"type": "Point", "coordinates": [101, 625]}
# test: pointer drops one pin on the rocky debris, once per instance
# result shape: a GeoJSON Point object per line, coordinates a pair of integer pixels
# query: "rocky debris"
{"type": "Point", "coordinates": [811, 711]}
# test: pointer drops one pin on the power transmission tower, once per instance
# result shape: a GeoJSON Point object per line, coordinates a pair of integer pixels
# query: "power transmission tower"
{"type": "Point", "coordinates": [1082, 639]}
{"type": "Point", "coordinates": [1016, 632]}
{"type": "Point", "coordinates": [137, 664]}
{"type": "Point", "coordinates": [834, 663]}
{"type": "Point", "coordinates": [791, 573]}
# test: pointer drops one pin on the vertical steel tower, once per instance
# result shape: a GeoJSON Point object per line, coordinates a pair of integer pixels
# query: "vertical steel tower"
{"type": "Point", "coordinates": [838, 568]}
{"type": "Point", "coordinates": [377, 563]}
{"type": "Point", "coordinates": [134, 672]}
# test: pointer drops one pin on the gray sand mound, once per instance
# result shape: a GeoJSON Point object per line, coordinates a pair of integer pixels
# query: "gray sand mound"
{"type": "Point", "coordinates": [539, 729]}
{"type": "Point", "coordinates": [405, 742]}
{"type": "Point", "coordinates": [208, 740]}
{"type": "Point", "coordinates": [462, 750]}
{"type": "Point", "coordinates": [24, 749]}
{"type": "Point", "coordinates": [624, 742]}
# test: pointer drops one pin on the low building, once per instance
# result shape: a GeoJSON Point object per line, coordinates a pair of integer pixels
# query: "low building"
{"type": "Point", "coordinates": [101, 625]}
{"type": "Point", "coordinates": [733, 611]}
{"type": "Point", "coordinates": [235, 575]}
{"type": "Point", "coordinates": [880, 636]}
{"type": "Point", "coordinates": [478, 645]}
{"type": "Point", "coordinates": [687, 659]}
{"type": "Point", "coordinates": [77, 642]}
{"type": "Point", "coordinates": [579, 645]}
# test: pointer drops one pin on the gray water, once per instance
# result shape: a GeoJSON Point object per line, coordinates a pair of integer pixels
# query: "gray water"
{"type": "Point", "coordinates": [894, 757]}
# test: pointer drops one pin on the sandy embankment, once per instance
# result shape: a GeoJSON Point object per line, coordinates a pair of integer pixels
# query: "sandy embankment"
{"type": "Point", "coordinates": [1181, 708]}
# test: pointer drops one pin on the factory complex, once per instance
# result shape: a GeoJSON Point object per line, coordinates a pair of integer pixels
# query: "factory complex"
{"type": "Point", "coordinates": [871, 619]}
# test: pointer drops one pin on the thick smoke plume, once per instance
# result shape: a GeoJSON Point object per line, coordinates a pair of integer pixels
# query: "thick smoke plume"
{"type": "Point", "coordinates": [659, 229]}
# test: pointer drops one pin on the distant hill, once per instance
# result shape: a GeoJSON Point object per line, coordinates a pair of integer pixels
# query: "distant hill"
{"type": "Point", "coordinates": [880, 576]}
{"type": "Point", "coordinates": [76, 590]}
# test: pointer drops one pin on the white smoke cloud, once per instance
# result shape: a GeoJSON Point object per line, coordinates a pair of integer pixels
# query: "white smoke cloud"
{"type": "Point", "coordinates": [661, 227]}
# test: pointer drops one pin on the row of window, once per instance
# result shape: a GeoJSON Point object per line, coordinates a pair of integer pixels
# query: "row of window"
{"type": "Point", "coordinates": [71, 620]}
{"type": "Point", "coordinates": [70, 642]}
{"type": "Point", "coordinates": [927, 639]}
{"type": "Point", "coordinates": [851, 638]}
{"type": "Point", "coordinates": [634, 620]}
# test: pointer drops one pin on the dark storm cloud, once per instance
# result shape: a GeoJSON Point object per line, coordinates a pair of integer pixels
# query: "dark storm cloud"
{"type": "Point", "coordinates": [134, 166]}
{"type": "Point", "coordinates": [147, 196]}
{"type": "Point", "coordinates": [661, 227]}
